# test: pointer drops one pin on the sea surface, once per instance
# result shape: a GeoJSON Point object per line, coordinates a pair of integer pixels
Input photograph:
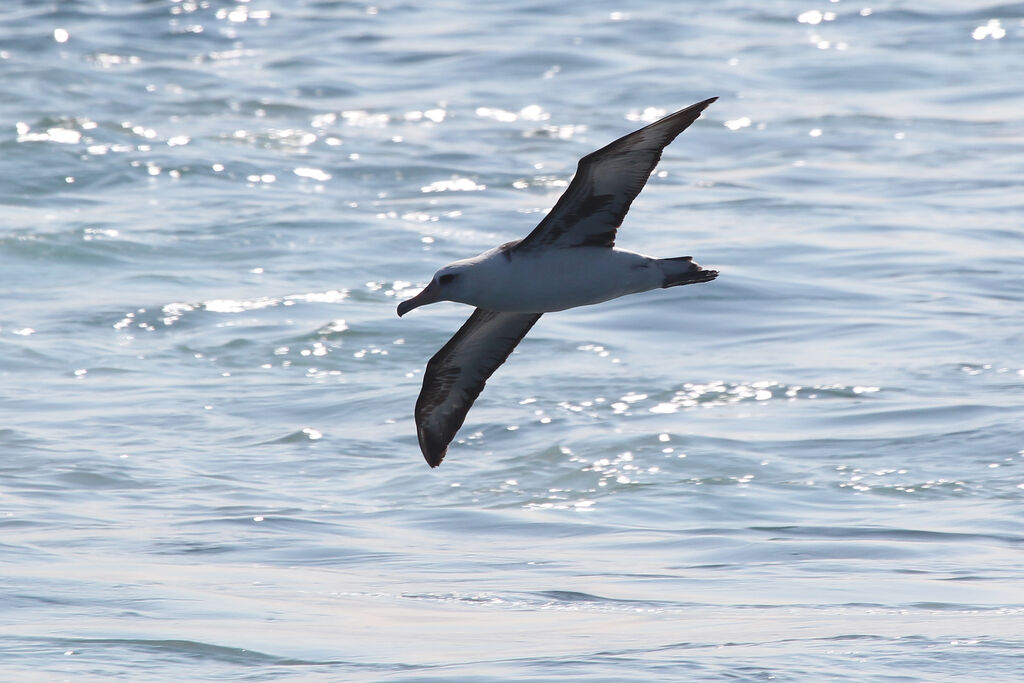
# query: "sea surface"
{"type": "Point", "coordinates": [809, 469]}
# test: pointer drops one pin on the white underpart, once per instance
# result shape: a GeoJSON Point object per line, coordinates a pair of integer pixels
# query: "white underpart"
{"type": "Point", "coordinates": [555, 279]}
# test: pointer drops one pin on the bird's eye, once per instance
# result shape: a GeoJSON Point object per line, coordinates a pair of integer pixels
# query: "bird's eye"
{"type": "Point", "coordinates": [445, 279]}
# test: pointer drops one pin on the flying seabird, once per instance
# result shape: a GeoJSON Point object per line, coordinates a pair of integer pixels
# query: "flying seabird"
{"type": "Point", "coordinates": [568, 260]}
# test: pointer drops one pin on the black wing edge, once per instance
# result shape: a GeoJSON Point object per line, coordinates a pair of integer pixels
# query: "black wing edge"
{"type": "Point", "coordinates": [443, 373]}
{"type": "Point", "coordinates": [677, 122]}
{"type": "Point", "coordinates": [680, 121]}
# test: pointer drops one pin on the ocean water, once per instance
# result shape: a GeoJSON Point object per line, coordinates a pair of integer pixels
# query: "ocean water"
{"type": "Point", "coordinates": [810, 469]}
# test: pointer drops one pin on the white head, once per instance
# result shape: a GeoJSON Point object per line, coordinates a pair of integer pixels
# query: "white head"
{"type": "Point", "coordinates": [449, 284]}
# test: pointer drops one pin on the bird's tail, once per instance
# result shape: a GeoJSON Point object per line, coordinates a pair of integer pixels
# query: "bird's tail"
{"type": "Point", "coordinates": [681, 270]}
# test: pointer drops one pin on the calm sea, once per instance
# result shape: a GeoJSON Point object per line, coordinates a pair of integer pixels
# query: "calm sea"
{"type": "Point", "coordinates": [810, 469]}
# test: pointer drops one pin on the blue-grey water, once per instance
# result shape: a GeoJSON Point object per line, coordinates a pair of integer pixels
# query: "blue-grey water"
{"type": "Point", "coordinates": [810, 469]}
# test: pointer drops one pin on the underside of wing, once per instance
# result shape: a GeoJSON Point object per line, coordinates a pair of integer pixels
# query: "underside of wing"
{"type": "Point", "coordinates": [606, 182]}
{"type": "Point", "coordinates": [456, 375]}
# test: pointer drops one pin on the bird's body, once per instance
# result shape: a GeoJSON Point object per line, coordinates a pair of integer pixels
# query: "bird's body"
{"type": "Point", "coordinates": [572, 277]}
{"type": "Point", "coordinates": [568, 260]}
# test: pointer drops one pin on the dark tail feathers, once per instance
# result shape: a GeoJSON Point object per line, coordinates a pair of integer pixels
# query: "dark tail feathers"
{"type": "Point", "coordinates": [681, 270]}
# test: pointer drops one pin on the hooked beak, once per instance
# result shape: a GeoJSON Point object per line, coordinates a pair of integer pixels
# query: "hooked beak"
{"type": "Point", "coordinates": [430, 294]}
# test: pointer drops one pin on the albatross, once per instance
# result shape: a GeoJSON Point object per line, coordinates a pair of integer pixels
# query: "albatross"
{"type": "Point", "coordinates": [568, 260]}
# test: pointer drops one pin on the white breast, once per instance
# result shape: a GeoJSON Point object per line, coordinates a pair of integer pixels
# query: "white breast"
{"type": "Point", "coordinates": [556, 279]}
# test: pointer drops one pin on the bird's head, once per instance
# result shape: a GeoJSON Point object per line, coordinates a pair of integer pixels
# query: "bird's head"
{"type": "Point", "coordinates": [448, 284]}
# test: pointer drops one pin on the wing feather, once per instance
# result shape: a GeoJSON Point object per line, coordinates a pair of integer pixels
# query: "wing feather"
{"type": "Point", "coordinates": [606, 182]}
{"type": "Point", "coordinates": [456, 375]}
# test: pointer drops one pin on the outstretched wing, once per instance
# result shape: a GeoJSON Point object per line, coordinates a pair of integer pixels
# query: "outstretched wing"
{"type": "Point", "coordinates": [606, 182]}
{"type": "Point", "coordinates": [456, 375]}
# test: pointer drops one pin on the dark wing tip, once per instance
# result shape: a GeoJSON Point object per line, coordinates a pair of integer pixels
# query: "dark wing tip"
{"type": "Point", "coordinates": [433, 445]}
{"type": "Point", "coordinates": [433, 450]}
{"type": "Point", "coordinates": [685, 117]}
{"type": "Point", "coordinates": [704, 105]}
{"type": "Point", "coordinates": [691, 113]}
